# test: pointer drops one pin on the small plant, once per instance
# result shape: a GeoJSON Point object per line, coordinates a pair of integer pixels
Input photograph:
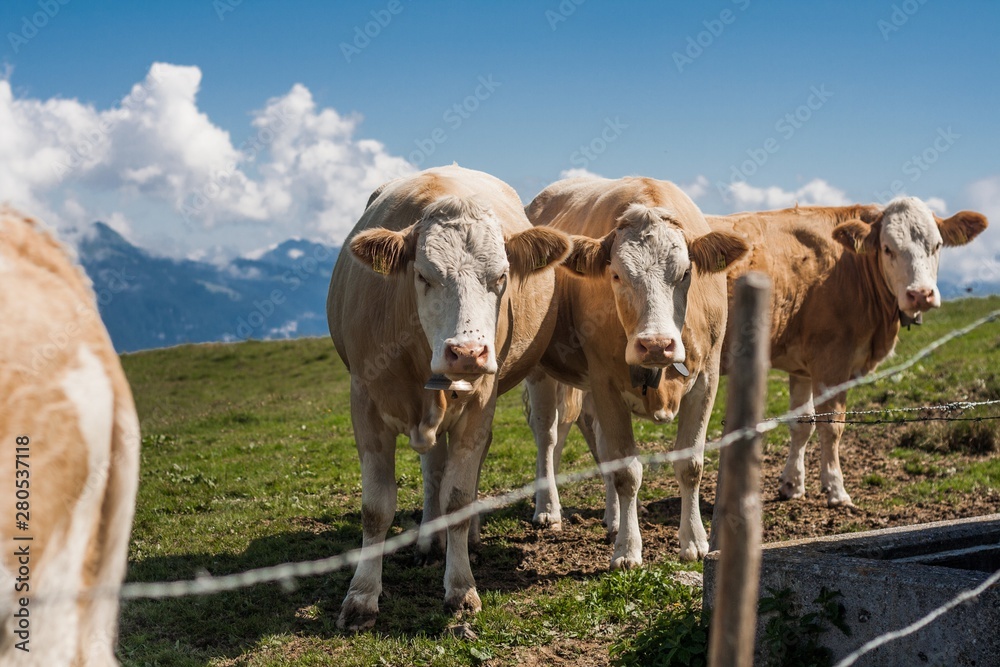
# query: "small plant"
{"type": "Point", "coordinates": [675, 637]}
{"type": "Point", "coordinates": [874, 479]}
{"type": "Point", "coordinates": [791, 639]}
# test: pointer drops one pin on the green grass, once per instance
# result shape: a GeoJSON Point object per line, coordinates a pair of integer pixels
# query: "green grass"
{"type": "Point", "coordinates": [248, 460]}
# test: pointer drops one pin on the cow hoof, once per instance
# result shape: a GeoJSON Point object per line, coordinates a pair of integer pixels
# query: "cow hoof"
{"type": "Point", "coordinates": [694, 550]}
{"type": "Point", "coordinates": [463, 601]}
{"type": "Point", "coordinates": [549, 521]}
{"type": "Point", "coordinates": [789, 491]}
{"type": "Point", "coordinates": [839, 500]}
{"type": "Point", "coordinates": [357, 614]}
{"type": "Point", "coordinates": [625, 563]}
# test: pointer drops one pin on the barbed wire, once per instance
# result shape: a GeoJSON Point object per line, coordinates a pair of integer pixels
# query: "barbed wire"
{"type": "Point", "coordinates": [286, 573]}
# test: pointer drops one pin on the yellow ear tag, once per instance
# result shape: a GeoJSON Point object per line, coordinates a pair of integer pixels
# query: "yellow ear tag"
{"type": "Point", "coordinates": [379, 266]}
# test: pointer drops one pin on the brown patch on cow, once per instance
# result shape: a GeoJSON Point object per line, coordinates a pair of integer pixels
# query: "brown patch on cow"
{"type": "Point", "coordinates": [962, 227]}
{"type": "Point", "coordinates": [383, 250]}
{"type": "Point", "coordinates": [715, 251]}
{"type": "Point", "coordinates": [536, 249]}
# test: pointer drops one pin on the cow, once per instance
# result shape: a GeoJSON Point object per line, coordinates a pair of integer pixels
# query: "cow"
{"type": "Point", "coordinates": [70, 467]}
{"type": "Point", "coordinates": [845, 279]}
{"type": "Point", "coordinates": [647, 309]}
{"type": "Point", "coordinates": [444, 301]}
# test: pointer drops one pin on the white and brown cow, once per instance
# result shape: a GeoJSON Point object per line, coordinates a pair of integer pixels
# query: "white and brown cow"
{"type": "Point", "coordinates": [654, 306]}
{"type": "Point", "coordinates": [66, 408]}
{"type": "Point", "coordinates": [844, 279]}
{"type": "Point", "coordinates": [447, 278]}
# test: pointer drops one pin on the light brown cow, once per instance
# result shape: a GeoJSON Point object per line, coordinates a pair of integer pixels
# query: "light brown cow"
{"type": "Point", "coordinates": [656, 303]}
{"type": "Point", "coordinates": [466, 295]}
{"type": "Point", "coordinates": [844, 279]}
{"type": "Point", "coordinates": [70, 441]}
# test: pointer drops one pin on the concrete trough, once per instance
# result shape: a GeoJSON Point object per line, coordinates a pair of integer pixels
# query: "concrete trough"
{"type": "Point", "coordinates": [889, 579]}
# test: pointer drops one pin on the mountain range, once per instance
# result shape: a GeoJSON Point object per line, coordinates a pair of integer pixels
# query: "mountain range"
{"type": "Point", "coordinates": [150, 301]}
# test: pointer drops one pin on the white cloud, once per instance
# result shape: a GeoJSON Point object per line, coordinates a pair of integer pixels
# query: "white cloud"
{"type": "Point", "coordinates": [697, 188]}
{"type": "Point", "coordinates": [577, 172]}
{"type": "Point", "coordinates": [299, 167]}
{"type": "Point", "coordinates": [937, 205]}
{"type": "Point", "coordinates": [978, 262]}
{"type": "Point", "coordinates": [816, 192]}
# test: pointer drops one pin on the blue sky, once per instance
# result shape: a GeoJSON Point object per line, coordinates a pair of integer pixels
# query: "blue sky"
{"type": "Point", "coordinates": [887, 81]}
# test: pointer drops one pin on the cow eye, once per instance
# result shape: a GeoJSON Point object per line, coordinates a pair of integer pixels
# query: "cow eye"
{"type": "Point", "coordinates": [888, 252]}
{"type": "Point", "coordinates": [500, 284]}
{"type": "Point", "coordinates": [687, 274]}
{"type": "Point", "coordinates": [614, 277]}
{"type": "Point", "coordinates": [938, 246]}
{"type": "Point", "coordinates": [423, 281]}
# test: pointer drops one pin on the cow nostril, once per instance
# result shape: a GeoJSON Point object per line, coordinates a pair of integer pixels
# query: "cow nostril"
{"type": "Point", "coordinates": [449, 354]}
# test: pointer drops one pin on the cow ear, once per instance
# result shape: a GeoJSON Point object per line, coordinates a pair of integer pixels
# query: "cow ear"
{"type": "Point", "coordinates": [962, 227]}
{"type": "Point", "coordinates": [383, 250]}
{"type": "Point", "coordinates": [535, 249]}
{"type": "Point", "coordinates": [590, 257]}
{"type": "Point", "coordinates": [715, 251]}
{"type": "Point", "coordinates": [856, 236]}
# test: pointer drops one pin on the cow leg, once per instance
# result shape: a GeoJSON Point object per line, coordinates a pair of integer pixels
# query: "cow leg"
{"type": "Point", "coordinates": [616, 443]}
{"type": "Point", "coordinates": [475, 523]}
{"type": "Point", "coordinates": [693, 416]}
{"type": "Point", "coordinates": [468, 441]}
{"type": "Point", "coordinates": [544, 422]}
{"type": "Point", "coordinates": [431, 545]}
{"type": "Point", "coordinates": [793, 479]}
{"type": "Point", "coordinates": [377, 451]}
{"type": "Point", "coordinates": [830, 476]}
{"type": "Point", "coordinates": [586, 423]}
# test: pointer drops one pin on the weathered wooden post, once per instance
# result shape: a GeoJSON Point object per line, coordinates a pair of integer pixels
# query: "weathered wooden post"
{"type": "Point", "coordinates": [737, 519]}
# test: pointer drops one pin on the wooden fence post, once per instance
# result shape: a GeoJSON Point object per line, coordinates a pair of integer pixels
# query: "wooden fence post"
{"type": "Point", "coordinates": [738, 522]}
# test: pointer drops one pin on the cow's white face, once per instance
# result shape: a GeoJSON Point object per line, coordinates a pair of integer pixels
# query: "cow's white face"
{"type": "Point", "coordinates": [460, 273]}
{"type": "Point", "coordinates": [649, 261]}
{"type": "Point", "coordinates": [908, 241]}
{"type": "Point", "coordinates": [910, 245]}
{"type": "Point", "coordinates": [461, 265]}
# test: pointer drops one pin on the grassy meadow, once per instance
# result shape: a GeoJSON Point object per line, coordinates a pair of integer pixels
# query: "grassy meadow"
{"type": "Point", "coordinates": [248, 461]}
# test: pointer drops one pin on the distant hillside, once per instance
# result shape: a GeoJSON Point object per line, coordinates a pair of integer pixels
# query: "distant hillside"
{"type": "Point", "coordinates": [150, 301]}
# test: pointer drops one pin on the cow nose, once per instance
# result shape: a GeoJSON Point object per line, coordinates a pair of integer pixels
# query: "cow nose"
{"type": "Point", "coordinates": [921, 299]}
{"type": "Point", "coordinates": [655, 349]}
{"type": "Point", "coordinates": [466, 357]}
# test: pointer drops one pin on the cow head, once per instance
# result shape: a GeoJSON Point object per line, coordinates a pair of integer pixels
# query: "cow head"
{"type": "Point", "coordinates": [908, 239]}
{"type": "Point", "coordinates": [460, 264]}
{"type": "Point", "coordinates": [648, 259]}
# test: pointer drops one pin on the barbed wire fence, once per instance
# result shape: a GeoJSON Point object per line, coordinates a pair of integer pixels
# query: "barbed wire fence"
{"type": "Point", "coordinates": [285, 574]}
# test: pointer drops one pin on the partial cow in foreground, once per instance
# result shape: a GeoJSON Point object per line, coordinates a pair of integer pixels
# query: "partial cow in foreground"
{"type": "Point", "coordinates": [70, 465]}
{"type": "Point", "coordinates": [844, 280]}
{"type": "Point", "coordinates": [650, 309]}
{"type": "Point", "coordinates": [445, 277]}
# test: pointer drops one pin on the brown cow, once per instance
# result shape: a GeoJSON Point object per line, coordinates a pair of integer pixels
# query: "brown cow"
{"type": "Point", "coordinates": [844, 279]}
{"type": "Point", "coordinates": [70, 438]}
{"type": "Point", "coordinates": [446, 278]}
{"type": "Point", "coordinates": [644, 317]}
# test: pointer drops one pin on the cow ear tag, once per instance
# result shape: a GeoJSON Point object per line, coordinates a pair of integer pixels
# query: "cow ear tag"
{"type": "Point", "coordinates": [438, 382]}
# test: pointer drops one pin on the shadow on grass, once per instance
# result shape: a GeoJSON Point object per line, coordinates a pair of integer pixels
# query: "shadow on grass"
{"type": "Point", "coordinates": [193, 630]}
